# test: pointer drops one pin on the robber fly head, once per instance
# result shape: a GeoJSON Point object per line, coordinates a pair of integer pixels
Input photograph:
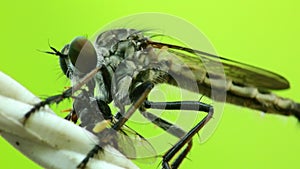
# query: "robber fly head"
{"type": "Point", "coordinates": [79, 56]}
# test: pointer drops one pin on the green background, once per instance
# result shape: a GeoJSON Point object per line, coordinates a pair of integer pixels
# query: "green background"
{"type": "Point", "coordinates": [261, 33]}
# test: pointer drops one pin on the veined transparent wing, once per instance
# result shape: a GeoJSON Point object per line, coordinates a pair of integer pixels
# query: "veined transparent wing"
{"type": "Point", "coordinates": [135, 146]}
{"type": "Point", "coordinates": [201, 62]}
{"type": "Point", "coordinates": [245, 85]}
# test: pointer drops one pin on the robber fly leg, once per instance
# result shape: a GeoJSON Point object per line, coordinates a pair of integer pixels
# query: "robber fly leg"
{"type": "Point", "coordinates": [60, 97]}
{"type": "Point", "coordinates": [50, 100]}
{"type": "Point", "coordinates": [186, 138]}
{"type": "Point", "coordinates": [172, 129]}
{"type": "Point", "coordinates": [90, 154]}
{"type": "Point", "coordinates": [138, 96]}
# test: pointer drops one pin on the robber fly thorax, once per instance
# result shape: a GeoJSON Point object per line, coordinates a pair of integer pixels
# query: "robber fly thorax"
{"type": "Point", "coordinates": [124, 63]}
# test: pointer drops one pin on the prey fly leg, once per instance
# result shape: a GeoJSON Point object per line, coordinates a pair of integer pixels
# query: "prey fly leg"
{"type": "Point", "coordinates": [109, 136]}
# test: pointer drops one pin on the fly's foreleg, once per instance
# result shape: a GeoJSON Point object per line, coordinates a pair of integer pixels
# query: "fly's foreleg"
{"type": "Point", "coordinates": [60, 97]}
{"type": "Point", "coordinates": [50, 100]}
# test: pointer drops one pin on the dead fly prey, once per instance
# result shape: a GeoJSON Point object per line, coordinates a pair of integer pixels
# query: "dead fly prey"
{"type": "Point", "coordinates": [123, 66]}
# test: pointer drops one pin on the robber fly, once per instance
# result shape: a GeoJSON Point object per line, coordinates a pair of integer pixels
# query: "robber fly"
{"type": "Point", "coordinates": [123, 65]}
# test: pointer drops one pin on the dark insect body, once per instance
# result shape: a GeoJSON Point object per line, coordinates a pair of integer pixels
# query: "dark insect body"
{"type": "Point", "coordinates": [123, 66]}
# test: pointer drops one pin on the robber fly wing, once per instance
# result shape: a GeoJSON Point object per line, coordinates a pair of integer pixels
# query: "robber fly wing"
{"type": "Point", "coordinates": [240, 73]}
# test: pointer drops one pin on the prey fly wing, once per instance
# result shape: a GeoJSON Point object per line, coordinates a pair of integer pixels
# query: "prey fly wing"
{"type": "Point", "coordinates": [135, 146]}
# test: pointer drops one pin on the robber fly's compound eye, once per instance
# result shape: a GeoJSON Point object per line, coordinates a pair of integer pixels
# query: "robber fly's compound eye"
{"type": "Point", "coordinates": [82, 54]}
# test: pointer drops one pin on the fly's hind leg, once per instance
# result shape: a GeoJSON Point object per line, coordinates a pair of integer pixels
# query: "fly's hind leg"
{"type": "Point", "coordinates": [185, 138]}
